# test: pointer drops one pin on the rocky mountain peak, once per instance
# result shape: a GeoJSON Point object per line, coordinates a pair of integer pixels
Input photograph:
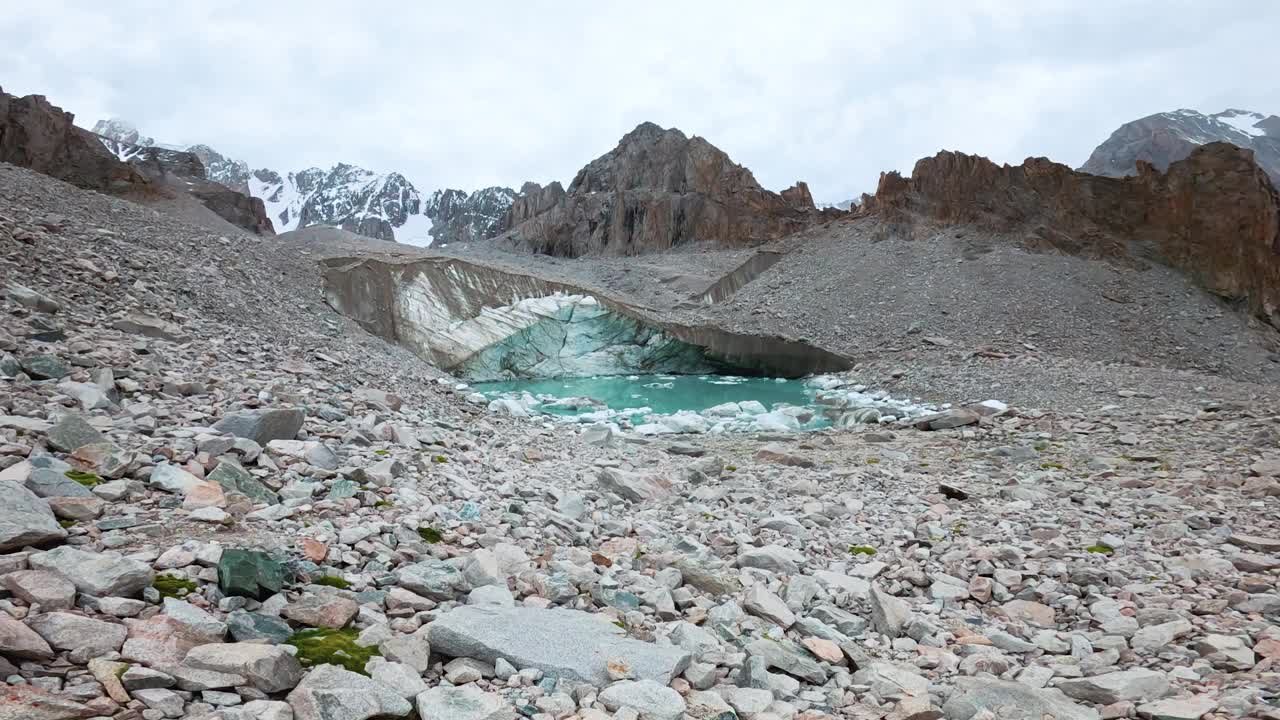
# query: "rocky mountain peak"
{"type": "Point", "coordinates": [658, 188]}
{"type": "Point", "coordinates": [122, 131]}
{"type": "Point", "coordinates": [1166, 137]}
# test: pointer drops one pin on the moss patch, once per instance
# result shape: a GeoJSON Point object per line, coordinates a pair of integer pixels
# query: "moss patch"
{"type": "Point", "coordinates": [861, 550]}
{"type": "Point", "coordinates": [430, 534]}
{"type": "Point", "coordinates": [86, 479]}
{"type": "Point", "coordinates": [1101, 549]}
{"type": "Point", "coordinates": [173, 587]}
{"type": "Point", "coordinates": [331, 581]}
{"type": "Point", "coordinates": [320, 646]}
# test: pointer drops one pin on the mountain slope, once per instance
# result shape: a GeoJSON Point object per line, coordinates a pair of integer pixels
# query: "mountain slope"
{"type": "Point", "coordinates": [1170, 136]}
{"type": "Point", "coordinates": [385, 206]}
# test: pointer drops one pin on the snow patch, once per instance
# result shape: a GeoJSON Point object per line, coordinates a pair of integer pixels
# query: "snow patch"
{"type": "Point", "coordinates": [1242, 121]}
{"type": "Point", "coordinates": [416, 230]}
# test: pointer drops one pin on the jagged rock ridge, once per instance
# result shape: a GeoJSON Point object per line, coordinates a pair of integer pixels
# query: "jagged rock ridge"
{"type": "Point", "coordinates": [38, 135]}
{"type": "Point", "coordinates": [656, 190]}
{"type": "Point", "coordinates": [35, 134]}
{"type": "Point", "coordinates": [1214, 215]}
{"type": "Point", "coordinates": [386, 206]}
{"type": "Point", "coordinates": [1166, 137]}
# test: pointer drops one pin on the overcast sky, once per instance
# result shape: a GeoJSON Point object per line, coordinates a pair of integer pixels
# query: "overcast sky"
{"type": "Point", "coordinates": [480, 93]}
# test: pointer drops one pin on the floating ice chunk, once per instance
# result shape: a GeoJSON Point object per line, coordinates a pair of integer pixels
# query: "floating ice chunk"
{"type": "Point", "coordinates": [777, 422]}
{"type": "Point", "coordinates": [729, 409]}
{"type": "Point", "coordinates": [753, 407]}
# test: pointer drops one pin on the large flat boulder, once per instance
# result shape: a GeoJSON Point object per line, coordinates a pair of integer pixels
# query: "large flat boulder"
{"type": "Point", "coordinates": [1011, 701]}
{"type": "Point", "coordinates": [566, 643]}
{"type": "Point", "coordinates": [263, 426]}
{"type": "Point", "coordinates": [101, 574]}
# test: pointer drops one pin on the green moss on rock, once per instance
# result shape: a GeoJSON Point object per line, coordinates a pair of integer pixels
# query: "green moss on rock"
{"type": "Point", "coordinates": [172, 586]}
{"type": "Point", "coordinates": [331, 581]}
{"type": "Point", "coordinates": [321, 646]}
{"type": "Point", "coordinates": [430, 534]}
{"type": "Point", "coordinates": [86, 479]}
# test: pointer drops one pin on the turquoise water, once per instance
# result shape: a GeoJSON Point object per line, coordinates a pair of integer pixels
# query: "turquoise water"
{"type": "Point", "coordinates": [662, 394]}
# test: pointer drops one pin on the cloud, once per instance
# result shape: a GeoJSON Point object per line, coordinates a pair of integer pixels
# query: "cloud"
{"type": "Point", "coordinates": [475, 94]}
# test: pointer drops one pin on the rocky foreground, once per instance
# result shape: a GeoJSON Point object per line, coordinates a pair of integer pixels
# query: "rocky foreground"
{"type": "Point", "coordinates": [222, 501]}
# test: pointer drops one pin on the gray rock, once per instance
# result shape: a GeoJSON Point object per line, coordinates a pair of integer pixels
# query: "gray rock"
{"type": "Point", "coordinates": [198, 620]}
{"type": "Point", "coordinates": [166, 701]}
{"type": "Point", "coordinates": [1136, 684]}
{"type": "Point", "coordinates": [172, 478]}
{"type": "Point", "coordinates": [68, 631]}
{"type": "Point", "coordinates": [651, 700]}
{"type": "Point", "coordinates": [633, 486]}
{"type": "Point", "coordinates": [401, 678]}
{"type": "Point", "coordinates": [889, 615]}
{"type": "Point", "coordinates": [789, 658]}
{"type": "Point", "coordinates": [269, 668]}
{"type": "Point", "coordinates": [25, 519]}
{"type": "Point", "coordinates": [19, 641]}
{"type": "Point", "coordinates": [760, 601]}
{"type": "Point", "coordinates": [49, 590]}
{"type": "Point", "coordinates": [101, 574]}
{"type": "Point", "coordinates": [263, 426]}
{"type": "Point", "coordinates": [1156, 637]}
{"type": "Point", "coordinates": [1184, 708]}
{"type": "Point", "coordinates": [52, 482]}
{"type": "Point", "coordinates": [30, 298]}
{"type": "Point", "coordinates": [947, 419]}
{"type": "Point", "coordinates": [234, 478]}
{"type": "Point", "coordinates": [435, 579]}
{"type": "Point", "coordinates": [73, 432]}
{"type": "Point", "coordinates": [462, 703]}
{"type": "Point", "coordinates": [330, 692]}
{"type": "Point", "coordinates": [975, 696]}
{"type": "Point", "coordinates": [257, 627]}
{"type": "Point", "coordinates": [774, 558]}
{"type": "Point", "coordinates": [150, 326]}
{"type": "Point", "coordinates": [44, 367]}
{"type": "Point", "coordinates": [567, 643]}
{"type": "Point", "coordinates": [88, 395]}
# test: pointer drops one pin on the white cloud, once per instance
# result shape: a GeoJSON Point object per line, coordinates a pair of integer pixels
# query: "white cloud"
{"type": "Point", "coordinates": [475, 94]}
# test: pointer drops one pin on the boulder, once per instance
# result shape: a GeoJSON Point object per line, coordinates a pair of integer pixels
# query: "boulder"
{"type": "Point", "coordinates": [19, 641]}
{"type": "Point", "coordinates": [50, 591]}
{"type": "Point", "coordinates": [462, 703]}
{"type": "Point", "coordinates": [974, 696]}
{"type": "Point", "coordinates": [269, 668]}
{"type": "Point", "coordinates": [73, 432]}
{"type": "Point", "coordinates": [649, 699]}
{"type": "Point", "coordinates": [1135, 684]}
{"type": "Point", "coordinates": [101, 574]}
{"type": "Point", "coordinates": [263, 426]}
{"type": "Point", "coordinates": [68, 631]}
{"type": "Point", "coordinates": [570, 644]}
{"type": "Point", "coordinates": [249, 573]}
{"type": "Point", "coordinates": [330, 692]}
{"type": "Point", "coordinates": [25, 519]}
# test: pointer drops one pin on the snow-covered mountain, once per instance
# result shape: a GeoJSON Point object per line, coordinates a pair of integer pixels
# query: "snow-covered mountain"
{"type": "Point", "coordinates": [1169, 136]}
{"type": "Point", "coordinates": [380, 205]}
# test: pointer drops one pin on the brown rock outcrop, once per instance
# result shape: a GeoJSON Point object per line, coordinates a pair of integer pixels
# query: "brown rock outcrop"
{"type": "Point", "coordinates": [182, 171]}
{"type": "Point", "coordinates": [38, 135]}
{"type": "Point", "coordinates": [1215, 215]}
{"type": "Point", "coordinates": [657, 189]}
